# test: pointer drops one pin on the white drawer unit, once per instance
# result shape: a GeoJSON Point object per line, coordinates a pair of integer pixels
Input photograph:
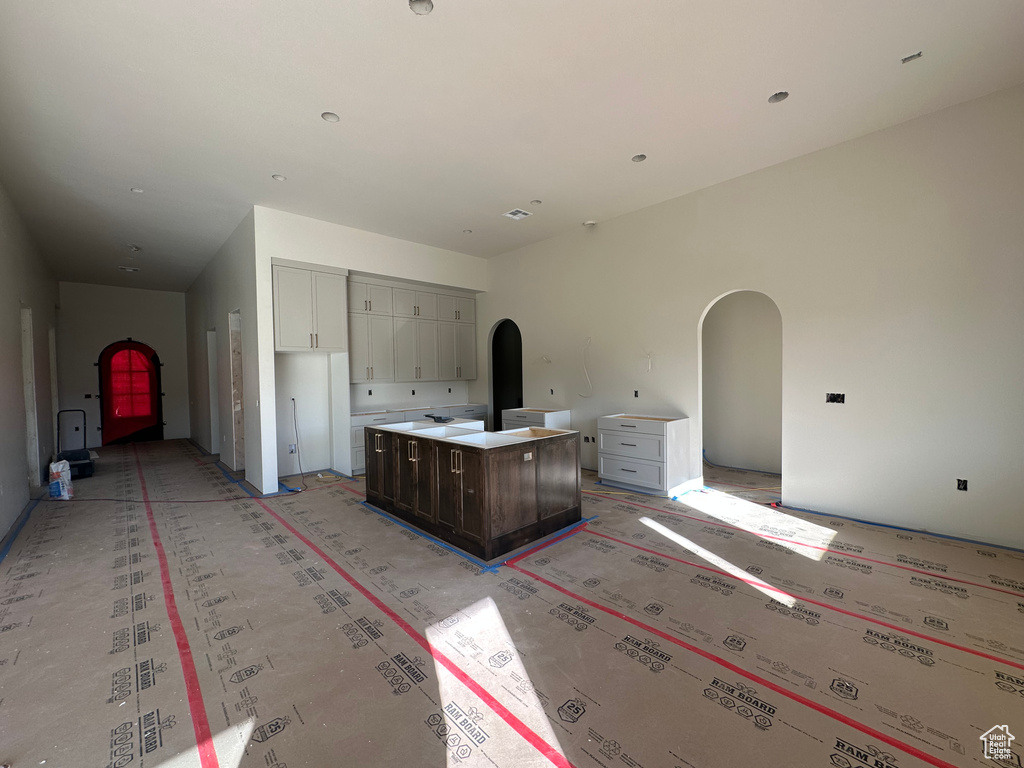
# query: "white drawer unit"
{"type": "Point", "coordinates": [535, 417]}
{"type": "Point", "coordinates": [640, 452]}
{"type": "Point", "coordinates": [468, 411]}
{"type": "Point", "coordinates": [358, 422]}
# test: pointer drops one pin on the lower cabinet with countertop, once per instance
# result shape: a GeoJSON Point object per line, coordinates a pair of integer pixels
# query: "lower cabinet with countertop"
{"type": "Point", "coordinates": [465, 415]}
{"type": "Point", "coordinates": [640, 452]}
{"type": "Point", "coordinates": [484, 492]}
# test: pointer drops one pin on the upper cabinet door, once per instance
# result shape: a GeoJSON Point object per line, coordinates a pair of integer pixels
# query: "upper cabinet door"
{"type": "Point", "coordinates": [378, 300]}
{"type": "Point", "coordinates": [426, 347]}
{"type": "Point", "coordinates": [465, 355]}
{"type": "Point", "coordinates": [465, 310]}
{"type": "Point", "coordinates": [330, 333]}
{"type": "Point", "coordinates": [426, 305]}
{"type": "Point", "coordinates": [382, 349]}
{"type": "Point", "coordinates": [446, 365]}
{"type": "Point", "coordinates": [359, 353]}
{"type": "Point", "coordinates": [405, 349]}
{"type": "Point", "coordinates": [293, 309]}
{"type": "Point", "coordinates": [445, 307]}
{"type": "Point", "coordinates": [404, 302]}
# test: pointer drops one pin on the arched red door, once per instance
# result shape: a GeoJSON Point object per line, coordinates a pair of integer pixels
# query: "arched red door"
{"type": "Point", "coordinates": [130, 393]}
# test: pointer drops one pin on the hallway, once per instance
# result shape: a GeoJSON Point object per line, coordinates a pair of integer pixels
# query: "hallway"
{"type": "Point", "coordinates": [165, 618]}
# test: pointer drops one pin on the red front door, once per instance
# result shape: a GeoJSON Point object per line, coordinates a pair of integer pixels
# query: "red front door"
{"type": "Point", "coordinates": [130, 393]}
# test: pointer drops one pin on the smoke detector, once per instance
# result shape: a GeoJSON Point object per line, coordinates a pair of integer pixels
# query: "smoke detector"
{"type": "Point", "coordinates": [517, 214]}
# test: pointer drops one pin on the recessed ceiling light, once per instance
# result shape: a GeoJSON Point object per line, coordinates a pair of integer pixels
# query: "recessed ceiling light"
{"type": "Point", "coordinates": [138, 190]}
{"type": "Point", "coordinates": [911, 57]}
{"type": "Point", "coordinates": [467, 231]}
{"type": "Point", "coordinates": [589, 224]}
{"type": "Point", "coordinates": [536, 202]}
{"type": "Point", "coordinates": [775, 98]}
{"type": "Point", "coordinates": [421, 7]}
{"type": "Point", "coordinates": [330, 117]}
{"type": "Point", "coordinates": [517, 214]}
{"type": "Point", "coordinates": [128, 269]}
{"type": "Point", "coordinates": [638, 158]}
{"type": "Point", "coordinates": [279, 177]}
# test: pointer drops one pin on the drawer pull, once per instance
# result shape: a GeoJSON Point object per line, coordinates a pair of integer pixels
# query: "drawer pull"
{"type": "Point", "coordinates": [631, 445]}
{"type": "Point", "coordinates": [382, 418]}
{"type": "Point", "coordinates": [628, 470]}
{"type": "Point", "coordinates": [628, 426]}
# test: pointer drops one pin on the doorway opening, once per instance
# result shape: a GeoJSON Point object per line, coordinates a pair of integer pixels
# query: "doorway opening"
{"type": "Point", "coordinates": [213, 390]}
{"type": "Point", "coordinates": [741, 391]}
{"type": "Point", "coordinates": [237, 398]}
{"type": "Point", "coordinates": [506, 369]}
{"type": "Point", "coordinates": [28, 377]}
{"type": "Point", "coordinates": [131, 409]}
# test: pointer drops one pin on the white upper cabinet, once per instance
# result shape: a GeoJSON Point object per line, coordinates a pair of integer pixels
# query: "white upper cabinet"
{"type": "Point", "coordinates": [409, 303]}
{"type": "Point", "coordinates": [456, 308]}
{"type": "Point", "coordinates": [415, 349]}
{"type": "Point", "coordinates": [369, 299]}
{"type": "Point", "coordinates": [372, 348]}
{"type": "Point", "coordinates": [309, 311]}
{"type": "Point", "coordinates": [456, 346]}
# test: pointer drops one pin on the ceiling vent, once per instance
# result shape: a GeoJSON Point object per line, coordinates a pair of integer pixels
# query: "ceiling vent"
{"type": "Point", "coordinates": [517, 214]}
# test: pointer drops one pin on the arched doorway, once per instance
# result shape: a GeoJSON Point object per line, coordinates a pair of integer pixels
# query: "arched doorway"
{"type": "Point", "coordinates": [130, 404]}
{"type": "Point", "coordinates": [741, 382]}
{"type": "Point", "coordinates": [506, 369]}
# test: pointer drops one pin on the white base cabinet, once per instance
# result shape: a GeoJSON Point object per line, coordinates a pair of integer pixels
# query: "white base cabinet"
{"type": "Point", "coordinates": [649, 453]}
{"type": "Point", "coordinates": [512, 418]}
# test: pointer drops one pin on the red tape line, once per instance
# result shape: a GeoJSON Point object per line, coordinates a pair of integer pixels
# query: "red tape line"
{"type": "Point", "coordinates": [204, 739]}
{"type": "Point", "coordinates": [552, 754]}
{"type": "Point", "coordinates": [909, 749]}
{"type": "Point", "coordinates": [815, 546]}
{"type": "Point", "coordinates": [802, 599]}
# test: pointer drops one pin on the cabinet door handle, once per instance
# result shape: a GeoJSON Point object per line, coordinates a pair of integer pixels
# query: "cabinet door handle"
{"type": "Point", "coordinates": [452, 461]}
{"type": "Point", "coordinates": [317, 343]}
{"type": "Point", "coordinates": [371, 371]}
{"type": "Point", "coordinates": [365, 303]}
{"type": "Point", "coordinates": [370, 302]}
{"type": "Point", "coordinates": [311, 339]}
{"type": "Point", "coordinates": [458, 455]}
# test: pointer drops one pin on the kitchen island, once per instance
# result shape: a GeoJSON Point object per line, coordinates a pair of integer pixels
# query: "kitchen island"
{"type": "Point", "coordinates": [485, 492]}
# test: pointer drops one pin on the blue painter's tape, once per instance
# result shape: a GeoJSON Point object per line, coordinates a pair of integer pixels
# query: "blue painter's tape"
{"type": "Point", "coordinates": [290, 490]}
{"type": "Point", "coordinates": [14, 535]}
{"type": "Point", "coordinates": [339, 474]}
{"type": "Point", "coordinates": [571, 529]}
{"type": "Point", "coordinates": [425, 535]}
{"type": "Point", "coordinates": [901, 528]}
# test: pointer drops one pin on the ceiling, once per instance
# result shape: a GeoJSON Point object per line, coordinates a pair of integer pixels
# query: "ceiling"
{"type": "Point", "coordinates": [447, 120]}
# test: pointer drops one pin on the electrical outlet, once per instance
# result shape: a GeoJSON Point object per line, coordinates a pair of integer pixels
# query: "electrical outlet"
{"type": "Point", "coordinates": [636, 393]}
{"type": "Point", "coordinates": [961, 485]}
{"type": "Point", "coordinates": [291, 447]}
{"type": "Point", "coordinates": [414, 391]}
{"type": "Point", "coordinates": [369, 392]}
{"type": "Point", "coordinates": [552, 391]}
{"type": "Point", "coordinates": [835, 397]}
{"type": "Point", "coordinates": [586, 438]}
{"type": "Point", "coordinates": [449, 390]}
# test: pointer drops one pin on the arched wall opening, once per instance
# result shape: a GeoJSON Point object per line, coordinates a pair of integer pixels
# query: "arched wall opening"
{"type": "Point", "coordinates": [131, 407]}
{"type": "Point", "coordinates": [505, 348]}
{"type": "Point", "coordinates": [740, 388]}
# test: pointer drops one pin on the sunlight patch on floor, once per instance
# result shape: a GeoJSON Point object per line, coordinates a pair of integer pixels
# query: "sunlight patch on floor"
{"type": "Point", "coordinates": [720, 562]}
{"type": "Point", "coordinates": [481, 625]}
{"type": "Point", "coordinates": [795, 534]}
{"type": "Point", "coordinates": [229, 744]}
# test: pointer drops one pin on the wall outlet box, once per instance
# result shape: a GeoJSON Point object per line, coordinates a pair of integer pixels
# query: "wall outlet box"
{"type": "Point", "coordinates": [961, 485]}
{"type": "Point", "coordinates": [835, 397]}
{"type": "Point", "coordinates": [291, 448]}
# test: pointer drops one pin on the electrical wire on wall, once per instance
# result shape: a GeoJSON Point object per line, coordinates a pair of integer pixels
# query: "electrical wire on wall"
{"type": "Point", "coordinates": [298, 450]}
{"type": "Point", "coordinates": [586, 374]}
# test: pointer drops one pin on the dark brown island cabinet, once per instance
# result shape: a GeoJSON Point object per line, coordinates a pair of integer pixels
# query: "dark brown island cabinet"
{"type": "Point", "coordinates": [487, 493]}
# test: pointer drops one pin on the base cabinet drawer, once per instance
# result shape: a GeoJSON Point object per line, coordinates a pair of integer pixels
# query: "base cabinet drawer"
{"type": "Point", "coordinates": [635, 472]}
{"type": "Point", "coordinates": [639, 446]}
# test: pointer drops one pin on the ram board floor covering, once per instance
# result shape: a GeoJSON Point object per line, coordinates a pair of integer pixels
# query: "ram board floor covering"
{"type": "Point", "coordinates": [165, 619]}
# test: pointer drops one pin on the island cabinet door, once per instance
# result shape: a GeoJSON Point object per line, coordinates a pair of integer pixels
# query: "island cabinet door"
{"type": "Point", "coordinates": [513, 488]}
{"type": "Point", "coordinates": [424, 454]}
{"type": "Point", "coordinates": [449, 485]}
{"type": "Point", "coordinates": [405, 473]}
{"type": "Point", "coordinates": [558, 475]}
{"type": "Point", "coordinates": [472, 505]}
{"type": "Point", "coordinates": [379, 473]}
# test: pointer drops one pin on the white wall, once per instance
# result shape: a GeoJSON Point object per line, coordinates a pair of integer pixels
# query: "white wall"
{"type": "Point", "coordinates": [24, 281]}
{"type": "Point", "coordinates": [896, 262]}
{"type": "Point", "coordinates": [93, 316]}
{"type": "Point", "coordinates": [306, 378]}
{"type": "Point", "coordinates": [741, 375]}
{"type": "Point", "coordinates": [280, 235]}
{"type": "Point", "coordinates": [227, 284]}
